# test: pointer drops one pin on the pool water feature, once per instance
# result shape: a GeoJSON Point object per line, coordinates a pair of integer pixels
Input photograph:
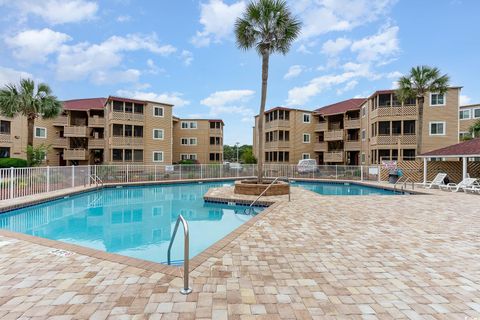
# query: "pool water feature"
{"type": "Point", "coordinates": [135, 221]}
{"type": "Point", "coordinates": [341, 188]}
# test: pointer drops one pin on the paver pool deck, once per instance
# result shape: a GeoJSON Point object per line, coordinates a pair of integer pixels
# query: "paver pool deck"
{"type": "Point", "coordinates": [316, 257]}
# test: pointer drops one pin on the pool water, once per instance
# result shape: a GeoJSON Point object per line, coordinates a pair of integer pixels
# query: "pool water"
{"type": "Point", "coordinates": [341, 189]}
{"type": "Point", "coordinates": [132, 221]}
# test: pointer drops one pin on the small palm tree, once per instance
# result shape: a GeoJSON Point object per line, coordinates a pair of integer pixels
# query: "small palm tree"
{"type": "Point", "coordinates": [29, 101]}
{"type": "Point", "coordinates": [269, 27]}
{"type": "Point", "coordinates": [415, 85]}
{"type": "Point", "coordinates": [474, 130]}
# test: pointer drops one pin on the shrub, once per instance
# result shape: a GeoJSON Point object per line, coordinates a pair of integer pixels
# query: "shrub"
{"type": "Point", "coordinates": [12, 162]}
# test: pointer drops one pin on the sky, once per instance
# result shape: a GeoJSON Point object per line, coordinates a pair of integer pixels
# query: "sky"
{"type": "Point", "coordinates": [183, 52]}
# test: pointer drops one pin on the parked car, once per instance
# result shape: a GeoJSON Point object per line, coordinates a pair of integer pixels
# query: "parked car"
{"type": "Point", "coordinates": [307, 166]}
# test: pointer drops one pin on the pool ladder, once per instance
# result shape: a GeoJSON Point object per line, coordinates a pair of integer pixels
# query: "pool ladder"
{"type": "Point", "coordinates": [92, 178]}
{"type": "Point", "coordinates": [250, 210]}
{"type": "Point", "coordinates": [404, 184]}
{"type": "Point", "coordinates": [186, 260]}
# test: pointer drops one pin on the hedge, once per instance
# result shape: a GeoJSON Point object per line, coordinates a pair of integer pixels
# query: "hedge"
{"type": "Point", "coordinates": [12, 162]}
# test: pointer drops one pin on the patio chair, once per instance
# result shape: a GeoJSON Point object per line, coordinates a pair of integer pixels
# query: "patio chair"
{"type": "Point", "coordinates": [472, 189]}
{"type": "Point", "coordinates": [435, 183]}
{"type": "Point", "coordinates": [465, 183]}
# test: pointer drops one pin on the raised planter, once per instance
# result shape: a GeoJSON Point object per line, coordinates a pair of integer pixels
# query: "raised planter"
{"type": "Point", "coordinates": [251, 187]}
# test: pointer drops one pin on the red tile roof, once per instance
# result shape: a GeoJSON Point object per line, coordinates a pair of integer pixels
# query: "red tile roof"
{"type": "Point", "coordinates": [341, 107]}
{"type": "Point", "coordinates": [126, 100]}
{"type": "Point", "coordinates": [466, 148]}
{"type": "Point", "coordinates": [84, 104]}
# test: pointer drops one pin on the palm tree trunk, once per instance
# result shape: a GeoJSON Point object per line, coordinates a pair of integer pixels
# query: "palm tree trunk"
{"type": "Point", "coordinates": [261, 153]}
{"type": "Point", "coordinates": [420, 125]}
{"type": "Point", "coordinates": [30, 127]}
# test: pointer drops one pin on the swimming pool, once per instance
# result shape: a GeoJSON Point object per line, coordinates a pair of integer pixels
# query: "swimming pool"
{"type": "Point", "coordinates": [341, 189]}
{"type": "Point", "coordinates": [131, 221]}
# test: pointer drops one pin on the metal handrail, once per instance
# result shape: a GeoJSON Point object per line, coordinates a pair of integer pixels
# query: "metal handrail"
{"type": "Point", "coordinates": [96, 179]}
{"type": "Point", "coordinates": [397, 182]}
{"type": "Point", "coordinates": [186, 260]}
{"type": "Point", "coordinates": [404, 184]}
{"type": "Point", "coordinates": [268, 187]}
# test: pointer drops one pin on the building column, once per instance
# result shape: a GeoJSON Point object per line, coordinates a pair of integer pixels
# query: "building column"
{"type": "Point", "coordinates": [425, 164]}
{"type": "Point", "coordinates": [464, 167]}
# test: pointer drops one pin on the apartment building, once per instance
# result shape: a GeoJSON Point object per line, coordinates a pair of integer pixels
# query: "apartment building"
{"type": "Point", "coordinates": [288, 135]}
{"type": "Point", "coordinates": [361, 131]}
{"type": "Point", "coordinates": [468, 115]}
{"type": "Point", "coordinates": [116, 130]}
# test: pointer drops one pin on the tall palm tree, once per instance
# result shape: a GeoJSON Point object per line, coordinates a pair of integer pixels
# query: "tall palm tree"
{"type": "Point", "coordinates": [420, 81]}
{"type": "Point", "coordinates": [474, 129]}
{"type": "Point", "coordinates": [29, 101]}
{"type": "Point", "coordinates": [269, 27]}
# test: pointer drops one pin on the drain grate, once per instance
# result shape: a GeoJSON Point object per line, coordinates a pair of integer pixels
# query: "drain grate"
{"type": "Point", "coordinates": [61, 253]}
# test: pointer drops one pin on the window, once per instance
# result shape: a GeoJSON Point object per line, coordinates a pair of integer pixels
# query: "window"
{"type": "Point", "coordinates": [40, 132]}
{"type": "Point", "coordinates": [193, 141]}
{"type": "Point", "coordinates": [157, 156]}
{"type": "Point", "coordinates": [465, 114]}
{"type": "Point", "coordinates": [138, 155]}
{"type": "Point", "coordinates": [184, 141]}
{"type": "Point", "coordinates": [384, 128]}
{"type": "Point", "coordinates": [464, 135]}
{"type": "Point", "coordinates": [117, 106]}
{"type": "Point", "coordinates": [408, 154]}
{"type": "Point", "coordinates": [128, 107]}
{"type": "Point", "coordinates": [157, 111]}
{"type": "Point", "coordinates": [189, 125]}
{"type": "Point", "coordinates": [409, 127]}
{"type": "Point", "coordinates": [117, 130]}
{"type": "Point", "coordinates": [157, 211]}
{"type": "Point", "coordinates": [4, 152]}
{"type": "Point", "coordinates": [138, 108]}
{"type": "Point", "coordinates": [158, 134]}
{"type": "Point", "coordinates": [364, 111]}
{"type": "Point", "coordinates": [437, 99]}
{"type": "Point", "coordinates": [305, 156]}
{"type": "Point", "coordinates": [396, 128]}
{"type": "Point", "coordinates": [128, 130]}
{"type": "Point", "coordinates": [185, 156]}
{"type": "Point", "coordinates": [117, 155]}
{"type": "Point", "coordinates": [306, 118]}
{"type": "Point", "coordinates": [476, 113]}
{"type": "Point", "coordinates": [188, 141]}
{"type": "Point", "coordinates": [437, 128]}
{"type": "Point", "coordinates": [215, 157]}
{"type": "Point", "coordinates": [4, 127]}
{"type": "Point", "coordinates": [128, 155]}
{"type": "Point", "coordinates": [138, 131]}
{"type": "Point", "coordinates": [363, 135]}
{"type": "Point", "coordinates": [306, 138]}
{"type": "Point", "coordinates": [193, 125]}
{"type": "Point", "coordinates": [363, 157]}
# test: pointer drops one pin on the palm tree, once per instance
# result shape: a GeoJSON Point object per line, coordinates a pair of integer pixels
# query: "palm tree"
{"type": "Point", "coordinates": [269, 27]}
{"type": "Point", "coordinates": [420, 81]}
{"type": "Point", "coordinates": [474, 129]}
{"type": "Point", "coordinates": [29, 101]}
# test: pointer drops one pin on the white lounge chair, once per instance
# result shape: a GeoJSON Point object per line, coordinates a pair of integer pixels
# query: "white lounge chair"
{"type": "Point", "coordinates": [472, 189]}
{"type": "Point", "coordinates": [465, 183]}
{"type": "Point", "coordinates": [435, 183]}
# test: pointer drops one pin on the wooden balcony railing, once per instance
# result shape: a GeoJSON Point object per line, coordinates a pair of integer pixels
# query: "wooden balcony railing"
{"type": "Point", "coordinates": [75, 131]}
{"type": "Point", "coordinates": [393, 140]}
{"type": "Point", "coordinates": [406, 110]}
{"type": "Point", "coordinates": [96, 143]}
{"type": "Point", "coordinates": [114, 115]}
{"type": "Point", "coordinates": [320, 147]}
{"type": "Point", "coordinates": [352, 123]}
{"type": "Point", "coordinates": [277, 144]}
{"type": "Point", "coordinates": [127, 142]}
{"type": "Point", "coordinates": [75, 154]}
{"type": "Point", "coordinates": [60, 121]}
{"type": "Point", "coordinates": [333, 135]}
{"type": "Point", "coordinates": [5, 138]}
{"type": "Point", "coordinates": [59, 143]}
{"type": "Point", "coordinates": [352, 145]}
{"type": "Point", "coordinates": [96, 121]}
{"type": "Point", "coordinates": [277, 123]}
{"type": "Point", "coordinates": [322, 126]}
{"type": "Point", "coordinates": [215, 132]}
{"type": "Point", "coordinates": [333, 156]}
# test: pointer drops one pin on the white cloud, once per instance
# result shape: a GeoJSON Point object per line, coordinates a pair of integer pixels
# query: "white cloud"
{"type": "Point", "coordinates": [187, 57]}
{"type": "Point", "coordinates": [111, 77]}
{"type": "Point", "coordinates": [320, 17]}
{"type": "Point", "coordinates": [465, 100]}
{"type": "Point", "coordinates": [382, 45]}
{"type": "Point", "coordinates": [58, 11]}
{"type": "Point", "coordinates": [175, 98]}
{"type": "Point", "coordinates": [349, 86]}
{"type": "Point", "coordinates": [124, 18]}
{"type": "Point", "coordinates": [334, 47]}
{"type": "Point", "coordinates": [8, 76]}
{"type": "Point", "coordinates": [84, 59]}
{"type": "Point", "coordinates": [35, 45]}
{"type": "Point", "coordinates": [230, 102]}
{"type": "Point", "coordinates": [294, 71]}
{"type": "Point", "coordinates": [394, 75]}
{"type": "Point", "coordinates": [304, 49]}
{"type": "Point", "coordinates": [217, 19]}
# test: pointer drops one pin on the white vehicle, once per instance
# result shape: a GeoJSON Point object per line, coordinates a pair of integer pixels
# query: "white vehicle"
{"type": "Point", "coordinates": [235, 166]}
{"type": "Point", "coordinates": [307, 166]}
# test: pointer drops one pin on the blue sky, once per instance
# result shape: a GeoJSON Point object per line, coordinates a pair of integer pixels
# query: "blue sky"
{"type": "Point", "coordinates": [183, 52]}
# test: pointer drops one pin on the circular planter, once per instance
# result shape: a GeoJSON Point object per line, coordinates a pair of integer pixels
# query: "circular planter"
{"type": "Point", "coordinates": [253, 188]}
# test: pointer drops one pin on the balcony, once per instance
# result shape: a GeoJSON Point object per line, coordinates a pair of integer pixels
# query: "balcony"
{"type": "Point", "coordinates": [96, 121]}
{"type": "Point", "coordinates": [215, 132]}
{"type": "Point", "coordinates": [334, 135]}
{"type": "Point", "coordinates": [320, 147]}
{"type": "Point", "coordinates": [352, 124]}
{"type": "Point", "coordinates": [96, 143]}
{"type": "Point", "coordinates": [5, 138]}
{"type": "Point", "coordinates": [395, 111]}
{"type": "Point", "coordinates": [393, 140]}
{"type": "Point", "coordinates": [215, 148]}
{"type": "Point", "coordinates": [352, 145]}
{"type": "Point", "coordinates": [76, 131]}
{"type": "Point", "coordinates": [333, 156]}
{"type": "Point", "coordinates": [59, 143]}
{"type": "Point", "coordinates": [126, 116]}
{"type": "Point", "coordinates": [60, 121]}
{"type": "Point", "coordinates": [75, 154]}
{"type": "Point", "coordinates": [277, 124]}
{"type": "Point", "coordinates": [127, 142]}
{"type": "Point", "coordinates": [322, 126]}
{"type": "Point", "coordinates": [277, 144]}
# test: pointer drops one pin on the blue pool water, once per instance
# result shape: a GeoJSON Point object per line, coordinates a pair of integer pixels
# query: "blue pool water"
{"type": "Point", "coordinates": [131, 221]}
{"type": "Point", "coordinates": [341, 189]}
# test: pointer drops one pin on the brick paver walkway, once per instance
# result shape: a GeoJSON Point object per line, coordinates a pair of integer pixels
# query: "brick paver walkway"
{"type": "Point", "coordinates": [317, 257]}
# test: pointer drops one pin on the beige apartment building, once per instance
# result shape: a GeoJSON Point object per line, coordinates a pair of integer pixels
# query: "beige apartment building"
{"type": "Point", "coordinates": [361, 131]}
{"type": "Point", "coordinates": [469, 114]}
{"type": "Point", "coordinates": [116, 130]}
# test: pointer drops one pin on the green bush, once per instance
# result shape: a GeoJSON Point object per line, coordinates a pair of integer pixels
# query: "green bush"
{"type": "Point", "coordinates": [12, 162]}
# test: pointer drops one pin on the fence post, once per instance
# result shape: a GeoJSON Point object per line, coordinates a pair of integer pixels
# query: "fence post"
{"type": "Point", "coordinates": [73, 176]}
{"type": "Point", "coordinates": [48, 178]}
{"type": "Point", "coordinates": [155, 172]}
{"type": "Point", "coordinates": [201, 171]}
{"type": "Point", "coordinates": [180, 166]}
{"type": "Point", "coordinates": [361, 173]}
{"type": "Point", "coordinates": [12, 180]}
{"type": "Point", "coordinates": [221, 170]}
{"type": "Point", "coordinates": [127, 173]}
{"type": "Point", "coordinates": [379, 173]}
{"type": "Point", "coordinates": [336, 172]}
